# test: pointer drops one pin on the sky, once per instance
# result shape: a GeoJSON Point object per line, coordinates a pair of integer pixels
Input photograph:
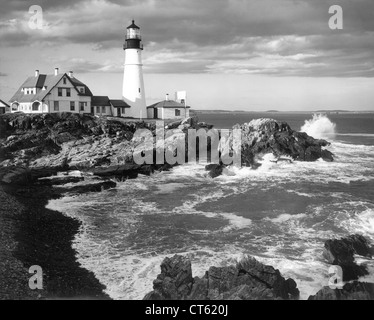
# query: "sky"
{"type": "Point", "coordinates": [252, 55]}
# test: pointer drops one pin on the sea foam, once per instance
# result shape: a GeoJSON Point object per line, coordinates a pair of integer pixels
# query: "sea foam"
{"type": "Point", "coordinates": [320, 127]}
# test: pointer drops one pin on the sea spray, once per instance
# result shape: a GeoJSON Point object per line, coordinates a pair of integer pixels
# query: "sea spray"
{"type": "Point", "coordinates": [320, 127]}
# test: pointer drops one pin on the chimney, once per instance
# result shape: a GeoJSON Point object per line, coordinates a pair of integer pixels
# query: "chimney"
{"type": "Point", "coordinates": [36, 73]}
{"type": "Point", "coordinates": [56, 71]}
{"type": "Point", "coordinates": [71, 74]}
{"type": "Point", "coordinates": [167, 97]}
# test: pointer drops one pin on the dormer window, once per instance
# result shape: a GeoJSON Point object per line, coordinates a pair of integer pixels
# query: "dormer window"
{"type": "Point", "coordinates": [81, 90]}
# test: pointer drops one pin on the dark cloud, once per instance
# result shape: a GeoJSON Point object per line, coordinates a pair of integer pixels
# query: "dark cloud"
{"type": "Point", "coordinates": [2, 74]}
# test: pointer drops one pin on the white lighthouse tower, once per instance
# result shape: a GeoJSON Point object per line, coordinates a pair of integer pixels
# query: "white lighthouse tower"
{"type": "Point", "coordinates": [133, 84]}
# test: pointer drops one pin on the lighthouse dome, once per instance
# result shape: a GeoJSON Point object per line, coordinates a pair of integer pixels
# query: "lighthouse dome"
{"type": "Point", "coordinates": [133, 31]}
{"type": "Point", "coordinates": [133, 26]}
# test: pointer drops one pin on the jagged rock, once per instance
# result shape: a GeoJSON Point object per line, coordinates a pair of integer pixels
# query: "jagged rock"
{"type": "Point", "coordinates": [341, 252]}
{"type": "Point", "coordinates": [351, 291]}
{"type": "Point", "coordinates": [264, 136]}
{"type": "Point", "coordinates": [175, 280]}
{"type": "Point", "coordinates": [215, 170]}
{"type": "Point", "coordinates": [249, 280]}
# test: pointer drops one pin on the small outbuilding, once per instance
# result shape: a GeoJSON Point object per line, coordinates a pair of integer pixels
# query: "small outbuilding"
{"type": "Point", "coordinates": [119, 108]}
{"type": "Point", "coordinates": [168, 109]}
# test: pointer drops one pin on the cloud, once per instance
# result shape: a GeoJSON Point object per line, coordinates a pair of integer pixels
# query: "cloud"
{"type": "Point", "coordinates": [2, 74]}
{"type": "Point", "coordinates": [278, 37]}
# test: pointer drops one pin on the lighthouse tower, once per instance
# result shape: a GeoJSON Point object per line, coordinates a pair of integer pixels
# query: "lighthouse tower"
{"type": "Point", "coordinates": [133, 84]}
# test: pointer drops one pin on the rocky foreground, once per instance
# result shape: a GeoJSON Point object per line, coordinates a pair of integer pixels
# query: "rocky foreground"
{"type": "Point", "coordinates": [247, 280]}
{"type": "Point", "coordinates": [251, 280]}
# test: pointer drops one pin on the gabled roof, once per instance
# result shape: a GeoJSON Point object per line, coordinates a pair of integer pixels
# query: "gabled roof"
{"type": "Point", "coordinates": [100, 101]}
{"type": "Point", "coordinates": [4, 104]}
{"type": "Point", "coordinates": [119, 104]}
{"type": "Point", "coordinates": [168, 104]}
{"type": "Point", "coordinates": [77, 83]}
{"type": "Point", "coordinates": [49, 81]}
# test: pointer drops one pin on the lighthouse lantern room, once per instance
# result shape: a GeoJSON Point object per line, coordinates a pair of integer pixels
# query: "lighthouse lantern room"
{"type": "Point", "coordinates": [133, 84]}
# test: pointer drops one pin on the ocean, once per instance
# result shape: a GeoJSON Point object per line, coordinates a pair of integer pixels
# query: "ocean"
{"type": "Point", "coordinates": [280, 213]}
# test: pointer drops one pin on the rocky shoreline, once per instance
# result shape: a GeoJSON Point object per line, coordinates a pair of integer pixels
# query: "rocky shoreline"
{"type": "Point", "coordinates": [37, 152]}
{"type": "Point", "coordinates": [40, 237]}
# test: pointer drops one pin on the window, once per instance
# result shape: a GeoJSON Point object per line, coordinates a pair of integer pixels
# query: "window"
{"type": "Point", "coordinates": [123, 110]}
{"type": "Point", "coordinates": [35, 106]}
{"type": "Point", "coordinates": [97, 109]}
{"type": "Point", "coordinates": [60, 92]}
{"type": "Point", "coordinates": [81, 106]}
{"type": "Point", "coordinates": [81, 90]}
{"type": "Point", "coordinates": [177, 112]}
{"type": "Point", "coordinates": [64, 80]}
{"type": "Point", "coordinates": [72, 106]}
{"type": "Point", "coordinates": [15, 106]}
{"type": "Point", "coordinates": [68, 92]}
{"type": "Point", "coordinates": [139, 90]}
{"type": "Point", "coordinates": [103, 109]}
{"type": "Point", "coordinates": [56, 106]}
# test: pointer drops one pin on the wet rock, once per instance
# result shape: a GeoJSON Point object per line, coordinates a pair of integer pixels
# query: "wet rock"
{"type": "Point", "coordinates": [128, 171]}
{"type": "Point", "coordinates": [248, 280]}
{"type": "Point", "coordinates": [341, 252]}
{"type": "Point", "coordinates": [175, 280]}
{"type": "Point", "coordinates": [92, 186]}
{"type": "Point", "coordinates": [351, 291]}
{"type": "Point", "coordinates": [263, 136]}
{"type": "Point", "coordinates": [215, 170]}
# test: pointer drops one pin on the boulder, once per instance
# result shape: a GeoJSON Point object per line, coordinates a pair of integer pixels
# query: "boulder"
{"type": "Point", "coordinates": [215, 170]}
{"type": "Point", "coordinates": [264, 136]}
{"type": "Point", "coordinates": [341, 252]}
{"type": "Point", "coordinates": [247, 280]}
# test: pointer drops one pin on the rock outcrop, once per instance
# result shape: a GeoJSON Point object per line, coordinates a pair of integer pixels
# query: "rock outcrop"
{"type": "Point", "coordinates": [264, 136]}
{"type": "Point", "coordinates": [45, 143]}
{"type": "Point", "coordinates": [351, 291]}
{"type": "Point", "coordinates": [39, 145]}
{"type": "Point", "coordinates": [341, 252]}
{"type": "Point", "coordinates": [247, 280]}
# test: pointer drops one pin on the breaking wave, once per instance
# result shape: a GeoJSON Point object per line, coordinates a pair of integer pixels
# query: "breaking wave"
{"type": "Point", "coordinates": [320, 127]}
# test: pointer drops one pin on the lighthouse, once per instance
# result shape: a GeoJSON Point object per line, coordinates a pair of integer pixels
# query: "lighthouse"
{"type": "Point", "coordinates": [133, 84]}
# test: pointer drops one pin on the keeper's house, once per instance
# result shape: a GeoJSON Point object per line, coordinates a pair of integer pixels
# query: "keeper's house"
{"type": "Point", "coordinates": [4, 107]}
{"type": "Point", "coordinates": [43, 93]}
{"type": "Point", "coordinates": [168, 109]}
